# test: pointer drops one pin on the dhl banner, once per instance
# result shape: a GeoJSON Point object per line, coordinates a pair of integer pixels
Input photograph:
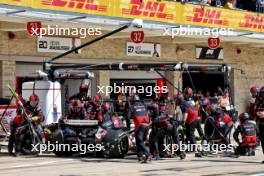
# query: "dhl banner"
{"type": "Point", "coordinates": [161, 11]}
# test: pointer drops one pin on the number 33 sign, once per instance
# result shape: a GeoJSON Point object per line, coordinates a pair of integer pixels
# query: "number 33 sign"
{"type": "Point", "coordinates": [213, 43]}
{"type": "Point", "coordinates": [137, 36]}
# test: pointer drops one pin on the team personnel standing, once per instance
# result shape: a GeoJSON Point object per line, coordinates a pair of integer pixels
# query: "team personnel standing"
{"type": "Point", "coordinates": [139, 115]}
{"type": "Point", "coordinates": [260, 115]}
{"type": "Point", "coordinates": [191, 116]}
{"type": "Point", "coordinates": [252, 102]}
{"type": "Point", "coordinates": [167, 123]}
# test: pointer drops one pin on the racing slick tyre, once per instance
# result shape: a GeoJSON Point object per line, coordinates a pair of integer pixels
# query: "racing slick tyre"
{"type": "Point", "coordinates": [209, 128]}
{"type": "Point", "coordinates": [24, 141]}
{"type": "Point", "coordinates": [26, 144]}
{"type": "Point", "coordinates": [115, 144]}
{"type": "Point", "coordinates": [214, 135]}
{"type": "Point", "coordinates": [181, 134]}
{"type": "Point", "coordinates": [166, 140]}
{"type": "Point", "coordinates": [59, 140]}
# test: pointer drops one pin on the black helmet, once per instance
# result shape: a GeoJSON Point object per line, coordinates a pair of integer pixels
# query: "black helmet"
{"type": "Point", "coordinates": [243, 117]}
{"type": "Point", "coordinates": [261, 93]}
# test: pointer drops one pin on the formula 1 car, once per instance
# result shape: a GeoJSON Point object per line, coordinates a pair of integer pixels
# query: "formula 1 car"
{"type": "Point", "coordinates": [105, 139]}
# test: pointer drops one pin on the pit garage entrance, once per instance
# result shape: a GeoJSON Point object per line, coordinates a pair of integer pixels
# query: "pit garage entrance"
{"type": "Point", "coordinates": [204, 81]}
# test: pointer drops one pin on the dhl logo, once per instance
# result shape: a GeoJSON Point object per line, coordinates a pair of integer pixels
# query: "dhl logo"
{"type": "Point", "coordinates": [254, 22]}
{"type": "Point", "coordinates": [76, 4]}
{"type": "Point", "coordinates": [148, 9]}
{"type": "Point", "coordinates": [208, 16]}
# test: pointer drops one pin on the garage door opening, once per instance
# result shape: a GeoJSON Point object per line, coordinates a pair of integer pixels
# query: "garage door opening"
{"type": "Point", "coordinates": [204, 81]}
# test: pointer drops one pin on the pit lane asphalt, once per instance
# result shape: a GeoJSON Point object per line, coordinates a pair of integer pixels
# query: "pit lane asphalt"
{"type": "Point", "coordinates": [50, 165]}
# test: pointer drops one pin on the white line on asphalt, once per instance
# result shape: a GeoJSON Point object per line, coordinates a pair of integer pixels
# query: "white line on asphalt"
{"type": "Point", "coordinates": [37, 164]}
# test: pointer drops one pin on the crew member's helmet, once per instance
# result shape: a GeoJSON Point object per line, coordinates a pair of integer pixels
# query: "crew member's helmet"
{"type": "Point", "coordinates": [34, 100]}
{"type": "Point", "coordinates": [188, 91]}
{"type": "Point", "coordinates": [106, 106]}
{"type": "Point", "coordinates": [178, 99]}
{"type": "Point", "coordinates": [205, 102]}
{"type": "Point", "coordinates": [76, 106]}
{"type": "Point", "coordinates": [254, 90]}
{"type": "Point", "coordinates": [84, 87]}
{"type": "Point", "coordinates": [243, 117]}
{"type": "Point", "coordinates": [96, 98]}
{"type": "Point", "coordinates": [136, 98]}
